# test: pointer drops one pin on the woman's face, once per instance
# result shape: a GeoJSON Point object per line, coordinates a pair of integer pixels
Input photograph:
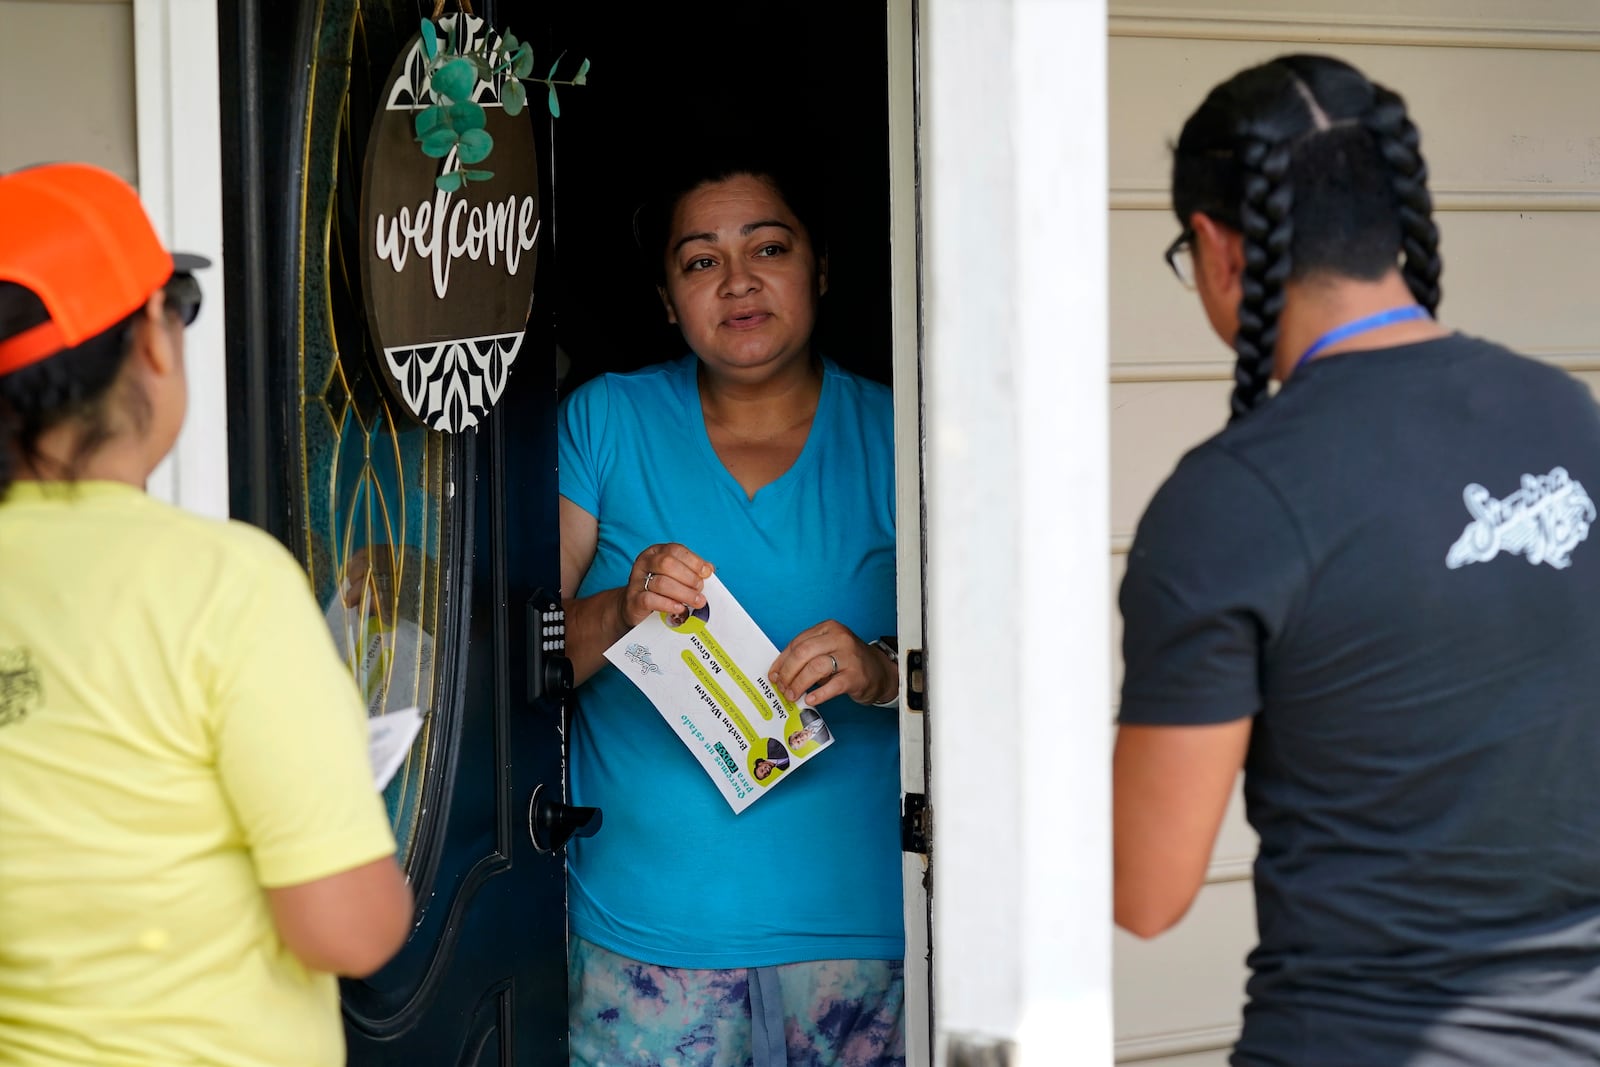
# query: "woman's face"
{"type": "Point", "coordinates": [742, 280]}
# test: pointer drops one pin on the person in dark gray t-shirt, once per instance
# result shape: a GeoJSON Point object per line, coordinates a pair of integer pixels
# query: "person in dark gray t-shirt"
{"type": "Point", "coordinates": [1375, 593]}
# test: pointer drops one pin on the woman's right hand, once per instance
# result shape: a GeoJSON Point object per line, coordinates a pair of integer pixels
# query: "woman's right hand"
{"type": "Point", "coordinates": [594, 622]}
{"type": "Point", "coordinates": [664, 578]}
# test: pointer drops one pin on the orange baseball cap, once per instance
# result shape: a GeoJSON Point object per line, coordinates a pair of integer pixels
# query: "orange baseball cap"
{"type": "Point", "coordinates": [79, 239]}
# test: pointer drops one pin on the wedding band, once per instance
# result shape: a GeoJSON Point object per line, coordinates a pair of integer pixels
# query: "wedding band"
{"type": "Point", "coordinates": [647, 576]}
{"type": "Point", "coordinates": [835, 664]}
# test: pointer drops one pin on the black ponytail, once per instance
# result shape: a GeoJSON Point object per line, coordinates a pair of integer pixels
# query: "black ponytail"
{"type": "Point", "coordinates": [8, 472]}
{"type": "Point", "coordinates": [70, 385]}
{"type": "Point", "coordinates": [1320, 171]}
{"type": "Point", "coordinates": [1267, 223]}
{"type": "Point", "coordinates": [1398, 142]}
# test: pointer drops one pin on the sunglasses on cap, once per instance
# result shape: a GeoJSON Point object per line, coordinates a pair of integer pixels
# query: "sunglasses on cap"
{"type": "Point", "coordinates": [182, 297]}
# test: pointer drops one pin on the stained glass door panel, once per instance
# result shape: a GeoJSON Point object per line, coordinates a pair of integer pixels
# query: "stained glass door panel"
{"type": "Point", "coordinates": [381, 532]}
{"type": "Point", "coordinates": [382, 520]}
{"type": "Point", "coordinates": [423, 548]}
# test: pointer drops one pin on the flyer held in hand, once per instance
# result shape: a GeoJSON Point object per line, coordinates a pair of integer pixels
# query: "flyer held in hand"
{"type": "Point", "coordinates": [706, 673]}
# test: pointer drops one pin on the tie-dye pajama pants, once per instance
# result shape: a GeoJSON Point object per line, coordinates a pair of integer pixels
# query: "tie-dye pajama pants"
{"type": "Point", "coordinates": [827, 1013]}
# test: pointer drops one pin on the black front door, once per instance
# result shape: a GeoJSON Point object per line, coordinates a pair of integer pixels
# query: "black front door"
{"type": "Point", "coordinates": [428, 550]}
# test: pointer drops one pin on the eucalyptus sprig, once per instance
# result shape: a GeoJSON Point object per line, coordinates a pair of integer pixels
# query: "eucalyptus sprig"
{"type": "Point", "coordinates": [456, 122]}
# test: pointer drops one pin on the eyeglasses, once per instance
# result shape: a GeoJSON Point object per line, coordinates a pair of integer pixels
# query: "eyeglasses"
{"type": "Point", "coordinates": [1180, 257]}
{"type": "Point", "coordinates": [182, 298]}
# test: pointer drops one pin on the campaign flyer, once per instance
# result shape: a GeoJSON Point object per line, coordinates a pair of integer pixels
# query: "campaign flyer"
{"type": "Point", "coordinates": [706, 673]}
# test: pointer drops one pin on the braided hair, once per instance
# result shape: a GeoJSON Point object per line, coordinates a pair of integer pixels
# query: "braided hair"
{"type": "Point", "coordinates": [1398, 142]}
{"type": "Point", "coordinates": [1319, 170]}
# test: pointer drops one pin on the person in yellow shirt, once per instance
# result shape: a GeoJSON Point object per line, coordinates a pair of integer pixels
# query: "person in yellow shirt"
{"type": "Point", "coordinates": [191, 846]}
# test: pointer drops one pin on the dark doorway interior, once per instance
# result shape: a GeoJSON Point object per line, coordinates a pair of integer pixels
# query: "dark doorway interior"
{"type": "Point", "coordinates": [667, 77]}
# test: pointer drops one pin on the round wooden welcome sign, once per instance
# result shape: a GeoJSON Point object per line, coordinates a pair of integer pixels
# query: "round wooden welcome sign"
{"type": "Point", "coordinates": [447, 273]}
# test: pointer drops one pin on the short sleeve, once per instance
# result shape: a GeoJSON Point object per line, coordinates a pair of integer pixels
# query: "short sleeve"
{"type": "Point", "coordinates": [291, 734]}
{"type": "Point", "coordinates": [1215, 570]}
{"type": "Point", "coordinates": [581, 444]}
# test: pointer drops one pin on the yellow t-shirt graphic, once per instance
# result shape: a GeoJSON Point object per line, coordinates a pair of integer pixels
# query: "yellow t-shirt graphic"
{"type": "Point", "coordinates": [176, 733]}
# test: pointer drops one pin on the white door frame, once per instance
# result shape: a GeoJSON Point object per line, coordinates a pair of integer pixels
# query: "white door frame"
{"type": "Point", "coordinates": [1014, 396]}
{"type": "Point", "coordinates": [905, 281]}
{"type": "Point", "coordinates": [178, 107]}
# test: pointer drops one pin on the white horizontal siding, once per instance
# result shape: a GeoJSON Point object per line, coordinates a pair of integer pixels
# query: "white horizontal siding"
{"type": "Point", "coordinates": [66, 82]}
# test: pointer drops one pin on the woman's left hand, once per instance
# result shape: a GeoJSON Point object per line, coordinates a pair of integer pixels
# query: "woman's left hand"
{"type": "Point", "coordinates": [845, 665]}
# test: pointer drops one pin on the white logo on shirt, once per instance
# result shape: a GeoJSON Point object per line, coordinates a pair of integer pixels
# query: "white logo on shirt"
{"type": "Point", "coordinates": [1544, 520]}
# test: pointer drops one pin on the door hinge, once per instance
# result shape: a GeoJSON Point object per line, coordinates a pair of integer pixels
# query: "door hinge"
{"type": "Point", "coordinates": [973, 1050]}
{"type": "Point", "coordinates": [917, 679]}
{"type": "Point", "coordinates": [916, 823]}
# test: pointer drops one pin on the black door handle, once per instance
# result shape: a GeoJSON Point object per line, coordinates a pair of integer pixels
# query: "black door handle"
{"type": "Point", "coordinates": [551, 824]}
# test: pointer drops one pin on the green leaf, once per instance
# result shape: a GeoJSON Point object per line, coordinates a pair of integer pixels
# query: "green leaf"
{"type": "Point", "coordinates": [430, 39]}
{"type": "Point", "coordinates": [582, 77]}
{"type": "Point", "coordinates": [555, 105]}
{"type": "Point", "coordinates": [455, 80]}
{"type": "Point", "coordinates": [478, 175]}
{"type": "Point", "coordinates": [554, 65]}
{"type": "Point", "coordinates": [514, 97]}
{"type": "Point", "coordinates": [522, 62]}
{"type": "Point", "coordinates": [508, 44]}
{"type": "Point", "coordinates": [475, 146]}
{"type": "Point", "coordinates": [481, 65]}
{"type": "Point", "coordinates": [449, 182]}
{"type": "Point", "coordinates": [438, 143]}
{"type": "Point", "coordinates": [430, 119]}
{"type": "Point", "coordinates": [467, 116]}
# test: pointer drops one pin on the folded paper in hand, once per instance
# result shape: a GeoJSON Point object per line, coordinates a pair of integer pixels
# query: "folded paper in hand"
{"type": "Point", "coordinates": [389, 740]}
{"type": "Point", "coordinates": [706, 673]}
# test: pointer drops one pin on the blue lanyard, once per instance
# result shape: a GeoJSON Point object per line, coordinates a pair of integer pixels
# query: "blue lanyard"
{"type": "Point", "coordinates": [1361, 326]}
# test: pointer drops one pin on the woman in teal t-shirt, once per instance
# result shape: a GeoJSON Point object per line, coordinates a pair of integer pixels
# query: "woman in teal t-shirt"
{"type": "Point", "coordinates": [758, 460]}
